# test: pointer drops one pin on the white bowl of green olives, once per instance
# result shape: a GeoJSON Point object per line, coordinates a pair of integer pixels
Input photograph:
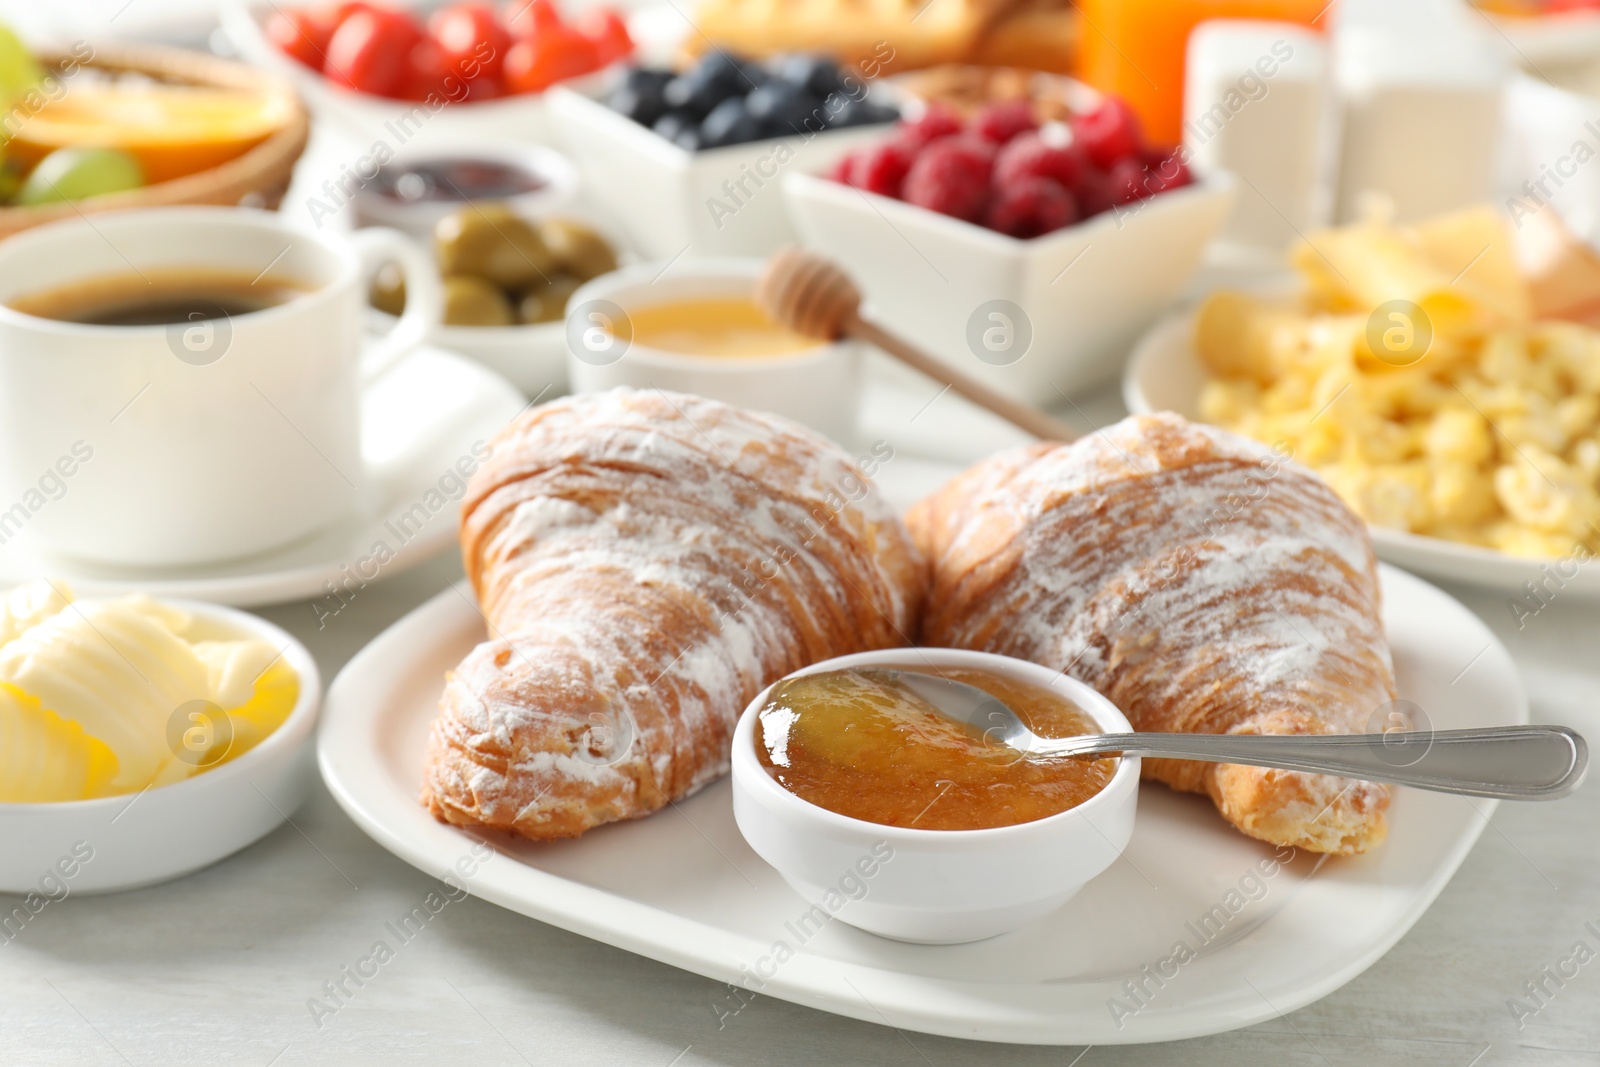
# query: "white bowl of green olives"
{"type": "Point", "coordinates": [507, 279]}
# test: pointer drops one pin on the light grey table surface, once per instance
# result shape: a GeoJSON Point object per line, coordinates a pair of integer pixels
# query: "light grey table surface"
{"type": "Point", "coordinates": [217, 968]}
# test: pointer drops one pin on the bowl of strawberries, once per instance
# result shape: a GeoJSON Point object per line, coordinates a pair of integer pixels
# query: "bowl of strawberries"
{"type": "Point", "coordinates": [1026, 246]}
{"type": "Point", "coordinates": [432, 75]}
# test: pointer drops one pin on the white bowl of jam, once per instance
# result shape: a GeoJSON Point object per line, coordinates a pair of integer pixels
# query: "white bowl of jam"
{"type": "Point", "coordinates": [415, 189]}
{"type": "Point", "coordinates": [893, 819]}
{"type": "Point", "coordinates": [692, 326]}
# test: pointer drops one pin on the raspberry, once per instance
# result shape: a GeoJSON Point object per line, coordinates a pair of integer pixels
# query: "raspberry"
{"type": "Point", "coordinates": [988, 151]}
{"type": "Point", "coordinates": [1129, 181]}
{"type": "Point", "coordinates": [1166, 170]}
{"type": "Point", "coordinates": [882, 168]}
{"type": "Point", "coordinates": [950, 177]}
{"type": "Point", "coordinates": [1031, 206]}
{"type": "Point", "coordinates": [1029, 156]}
{"type": "Point", "coordinates": [1093, 192]}
{"type": "Point", "coordinates": [1000, 122]}
{"type": "Point", "coordinates": [844, 169]}
{"type": "Point", "coordinates": [1108, 133]}
{"type": "Point", "coordinates": [935, 122]}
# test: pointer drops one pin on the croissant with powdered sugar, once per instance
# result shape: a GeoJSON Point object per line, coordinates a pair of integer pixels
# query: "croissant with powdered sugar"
{"type": "Point", "coordinates": [1202, 582]}
{"type": "Point", "coordinates": [648, 562]}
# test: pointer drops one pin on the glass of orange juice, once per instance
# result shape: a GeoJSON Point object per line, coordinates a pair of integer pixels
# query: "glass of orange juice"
{"type": "Point", "coordinates": [1135, 48]}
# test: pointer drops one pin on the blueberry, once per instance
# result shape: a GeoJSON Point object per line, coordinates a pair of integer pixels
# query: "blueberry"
{"type": "Point", "coordinates": [784, 109]}
{"type": "Point", "coordinates": [689, 139]}
{"type": "Point", "coordinates": [768, 99]}
{"type": "Point", "coordinates": [753, 76]}
{"type": "Point", "coordinates": [818, 75]}
{"type": "Point", "coordinates": [728, 123]}
{"type": "Point", "coordinates": [646, 79]}
{"type": "Point", "coordinates": [642, 104]}
{"type": "Point", "coordinates": [694, 93]}
{"type": "Point", "coordinates": [864, 113]}
{"type": "Point", "coordinates": [671, 124]}
{"type": "Point", "coordinates": [722, 69]}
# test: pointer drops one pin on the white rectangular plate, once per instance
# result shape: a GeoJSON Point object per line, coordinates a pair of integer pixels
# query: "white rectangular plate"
{"type": "Point", "coordinates": [682, 887]}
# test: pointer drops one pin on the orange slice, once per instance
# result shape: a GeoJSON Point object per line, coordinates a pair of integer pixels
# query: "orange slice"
{"type": "Point", "coordinates": [172, 130]}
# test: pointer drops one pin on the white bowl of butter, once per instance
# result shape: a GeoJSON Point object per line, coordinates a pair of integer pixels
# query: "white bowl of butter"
{"type": "Point", "coordinates": [141, 740]}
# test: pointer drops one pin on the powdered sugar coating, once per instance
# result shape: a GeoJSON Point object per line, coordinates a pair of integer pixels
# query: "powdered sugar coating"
{"type": "Point", "coordinates": [647, 563]}
{"type": "Point", "coordinates": [1199, 580]}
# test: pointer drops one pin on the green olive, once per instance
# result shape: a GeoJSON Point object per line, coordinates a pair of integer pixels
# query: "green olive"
{"type": "Point", "coordinates": [488, 241]}
{"type": "Point", "coordinates": [548, 303]}
{"type": "Point", "coordinates": [472, 301]}
{"type": "Point", "coordinates": [388, 292]}
{"type": "Point", "coordinates": [578, 249]}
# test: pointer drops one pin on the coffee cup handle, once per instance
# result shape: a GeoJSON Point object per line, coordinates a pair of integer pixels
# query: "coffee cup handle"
{"type": "Point", "coordinates": [424, 296]}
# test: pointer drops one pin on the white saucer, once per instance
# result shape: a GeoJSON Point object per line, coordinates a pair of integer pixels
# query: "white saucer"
{"type": "Point", "coordinates": [417, 421]}
{"type": "Point", "coordinates": [1164, 374]}
{"type": "Point", "coordinates": [683, 887]}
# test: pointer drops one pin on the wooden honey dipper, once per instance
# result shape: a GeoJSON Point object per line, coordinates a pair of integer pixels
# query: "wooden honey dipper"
{"type": "Point", "coordinates": [811, 295]}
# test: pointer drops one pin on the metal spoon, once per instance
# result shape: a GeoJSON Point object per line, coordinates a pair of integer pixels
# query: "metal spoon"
{"type": "Point", "coordinates": [1508, 762]}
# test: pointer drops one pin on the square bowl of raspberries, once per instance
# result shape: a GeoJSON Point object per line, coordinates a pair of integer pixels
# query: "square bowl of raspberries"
{"type": "Point", "coordinates": [692, 159]}
{"type": "Point", "coordinates": [1033, 253]}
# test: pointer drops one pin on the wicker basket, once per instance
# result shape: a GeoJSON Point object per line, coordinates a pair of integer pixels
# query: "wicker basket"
{"type": "Point", "coordinates": [259, 177]}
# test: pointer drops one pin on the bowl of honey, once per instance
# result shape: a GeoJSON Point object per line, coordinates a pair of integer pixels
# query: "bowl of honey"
{"type": "Point", "coordinates": [891, 817]}
{"type": "Point", "coordinates": [693, 326]}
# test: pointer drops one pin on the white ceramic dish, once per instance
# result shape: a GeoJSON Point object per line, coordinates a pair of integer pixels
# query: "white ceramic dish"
{"type": "Point", "coordinates": [1550, 41]}
{"type": "Point", "coordinates": [684, 888]}
{"type": "Point", "coordinates": [532, 358]}
{"type": "Point", "coordinates": [1077, 297]}
{"type": "Point", "coordinates": [420, 420]}
{"type": "Point", "coordinates": [211, 439]}
{"type": "Point", "coordinates": [671, 202]}
{"type": "Point", "coordinates": [1165, 375]}
{"type": "Point", "coordinates": [124, 842]}
{"type": "Point", "coordinates": [417, 218]}
{"type": "Point", "coordinates": [373, 120]}
{"type": "Point", "coordinates": [817, 386]}
{"type": "Point", "coordinates": [936, 887]}
{"type": "Point", "coordinates": [1542, 125]}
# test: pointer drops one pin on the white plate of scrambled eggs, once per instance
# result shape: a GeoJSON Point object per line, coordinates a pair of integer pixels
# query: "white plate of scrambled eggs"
{"type": "Point", "coordinates": [1412, 374]}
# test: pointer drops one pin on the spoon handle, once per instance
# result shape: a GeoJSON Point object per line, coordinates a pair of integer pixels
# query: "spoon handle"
{"type": "Point", "coordinates": [1509, 762]}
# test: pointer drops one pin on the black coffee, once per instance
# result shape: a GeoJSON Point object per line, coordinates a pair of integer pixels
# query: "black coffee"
{"type": "Point", "coordinates": [157, 298]}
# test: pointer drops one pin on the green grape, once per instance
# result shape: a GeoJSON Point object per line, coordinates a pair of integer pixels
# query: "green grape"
{"type": "Point", "coordinates": [10, 181]}
{"type": "Point", "coordinates": [19, 70]}
{"type": "Point", "coordinates": [78, 173]}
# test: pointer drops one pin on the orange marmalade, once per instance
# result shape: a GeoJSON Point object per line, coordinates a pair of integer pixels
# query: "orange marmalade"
{"type": "Point", "coordinates": [862, 746]}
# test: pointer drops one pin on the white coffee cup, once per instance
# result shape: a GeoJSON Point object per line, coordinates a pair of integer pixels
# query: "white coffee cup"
{"type": "Point", "coordinates": [199, 441]}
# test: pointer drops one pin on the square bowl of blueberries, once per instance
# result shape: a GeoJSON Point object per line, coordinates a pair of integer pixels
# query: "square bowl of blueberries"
{"type": "Point", "coordinates": [690, 161]}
